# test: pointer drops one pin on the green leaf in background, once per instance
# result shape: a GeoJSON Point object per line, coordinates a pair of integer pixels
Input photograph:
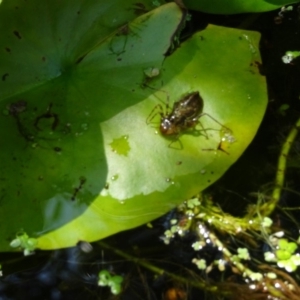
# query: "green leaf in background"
{"type": "Point", "coordinates": [235, 6]}
{"type": "Point", "coordinates": [78, 159]}
{"type": "Point", "coordinates": [53, 163]}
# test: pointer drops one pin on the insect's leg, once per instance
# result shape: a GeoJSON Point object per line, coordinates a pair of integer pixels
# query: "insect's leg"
{"type": "Point", "coordinates": [157, 110]}
{"type": "Point", "coordinates": [168, 104]}
{"type": "Point", "coordinates": [218, 148]}
{"type": "Point", "coordinates": [167, 96]}
{"type": "Point", "coordinates": [205, 130]}
{"type": "Point", "coordinates": [206, 114]}
{"type": "Point", "coordinates": [176, 139]}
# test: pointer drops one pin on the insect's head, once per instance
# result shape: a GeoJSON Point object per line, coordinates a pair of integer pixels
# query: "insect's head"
{"type": "Point", "coordinates": [167, 127]}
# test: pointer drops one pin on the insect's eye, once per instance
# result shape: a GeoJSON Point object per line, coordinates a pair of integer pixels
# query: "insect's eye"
{"type": "Point", "coordinates": [166, 126]}
{"type": "Point", "coordinates": [165, 123]}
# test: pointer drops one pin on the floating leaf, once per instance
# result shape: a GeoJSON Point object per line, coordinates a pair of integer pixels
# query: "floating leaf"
{"type": "Point", "coordinates": [235, 6]}
{"type": "Point", "coordinates": [79, 160]}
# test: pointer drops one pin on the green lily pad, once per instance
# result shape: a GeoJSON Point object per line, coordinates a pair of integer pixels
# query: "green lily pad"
{"type": "Point", "coordinates": [235, 6]}
{"type": "Point", "coordinates": [157, 173]}
{"type": "Point", "coordinates": [53, 163]}
{"type": "Point", "coordinates": [80, 161]}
